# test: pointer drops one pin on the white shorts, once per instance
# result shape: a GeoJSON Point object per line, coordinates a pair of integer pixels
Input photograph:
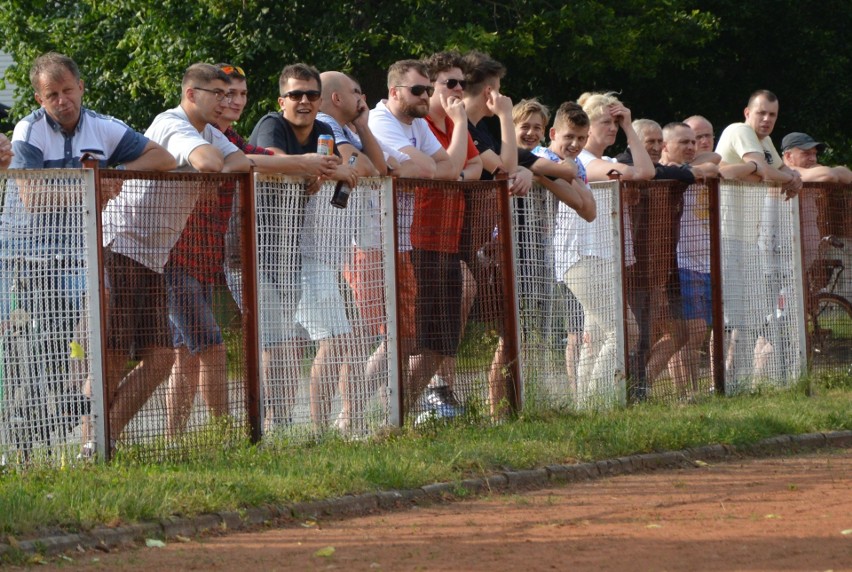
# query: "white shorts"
{"type": "Point", "coordinates": [321, 309]}
{"type": "Point", "coordinates": [279, 290]}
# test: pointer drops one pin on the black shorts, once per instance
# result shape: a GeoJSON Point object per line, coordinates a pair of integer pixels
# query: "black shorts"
{"type": "Point", "coordinates": [138, 311]}
{"type": "Point", "coordinates": [438, 300]}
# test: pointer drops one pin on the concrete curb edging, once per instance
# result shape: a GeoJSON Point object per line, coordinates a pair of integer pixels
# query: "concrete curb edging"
{"type": "Point", "coordinates": [177, 528]}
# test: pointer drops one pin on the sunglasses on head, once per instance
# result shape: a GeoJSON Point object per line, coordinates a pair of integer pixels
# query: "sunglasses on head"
{"type": "Point", "coordinates": [418, 90]}
{"type": "Point", "coordinates": [452, 83]}
{"type": "Point", "coordinates": [230, 70]}
{"type": "Point", "coordinates": [298, 94]}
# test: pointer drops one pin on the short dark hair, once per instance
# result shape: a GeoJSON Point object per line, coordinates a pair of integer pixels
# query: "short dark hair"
{"type": "Point", "coordinates": [443, 61]}
{"type": "Point", "coordinates": [571, 113]}
{"type": "Point", "coordinates": [770, 97]}
{"type": "Point", "coordinates": [480, 67]}
{"type": "Point", "coordinates": [304, 72]}
{"type": "Point", "coordinates": [669, 128]}
{"type": "Point", "coordinates": [398, 69]}
{"type": "Point", "coordinates": [203, 73]}
{"type": "Point", "coordinates": [53, 65]}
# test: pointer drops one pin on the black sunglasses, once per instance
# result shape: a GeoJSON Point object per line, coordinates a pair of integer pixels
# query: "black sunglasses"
{"type": "Point", "coordinates": [418, 90]}
{"type": "Point", "coordinates": [298, 94]}
{"type": "Point", "coordinates": [453, 82]}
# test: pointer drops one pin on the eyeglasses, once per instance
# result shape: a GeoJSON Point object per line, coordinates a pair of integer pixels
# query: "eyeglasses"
{"type": "Point", "coordinates": [217, 93]}
{"type": "Point", "coordinates": [229, 70]}
{"type": "Point", "coordinates": [453, 82]}
{"type": "Point", "coordinates": [298, 94]}
{"type": "Point", "coordinates": [418, 90]}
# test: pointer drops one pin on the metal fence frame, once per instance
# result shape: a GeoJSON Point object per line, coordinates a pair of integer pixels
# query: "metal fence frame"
{"type": "Point", "coordinates": [510, 253]}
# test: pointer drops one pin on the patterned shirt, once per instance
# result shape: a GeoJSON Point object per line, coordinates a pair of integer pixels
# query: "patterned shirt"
{"type": "Point", "coordinates": [201, 248]}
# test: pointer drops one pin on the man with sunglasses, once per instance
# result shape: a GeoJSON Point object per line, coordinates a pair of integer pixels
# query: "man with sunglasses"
{"type": "Point", "coordinates": [299, 258]}
{"type": "Point", "coordinates": [446, 110]}
{"type": "Point", "coordinates": [142, 224]}
{"type": "Point", "coordinates": [430, 224]}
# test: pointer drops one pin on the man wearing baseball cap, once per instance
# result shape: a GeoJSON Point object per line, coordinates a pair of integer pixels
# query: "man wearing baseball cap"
{"type": "Point", "coordinates": [800, 153]}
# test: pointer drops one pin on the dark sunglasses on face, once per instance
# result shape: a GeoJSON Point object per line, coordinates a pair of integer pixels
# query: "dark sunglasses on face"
{"type": "Point", "coordinates": [418, 90]}
{"type": "Point", "coordinates": [452, 83]}
{"type": "Point", "coordinates": [298, 94]}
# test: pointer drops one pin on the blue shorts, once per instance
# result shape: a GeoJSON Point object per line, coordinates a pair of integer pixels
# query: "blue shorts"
{"type": "Point", "coordinates": [696, 293]}
{"type": "Point", "coordinates": [191, 317]}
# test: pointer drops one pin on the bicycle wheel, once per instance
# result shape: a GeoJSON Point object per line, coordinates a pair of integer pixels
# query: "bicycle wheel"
{"type": "Point", "coordinates": [830, 332]}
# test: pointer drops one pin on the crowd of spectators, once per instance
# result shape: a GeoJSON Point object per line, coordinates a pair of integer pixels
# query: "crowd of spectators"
{"type": "Point", "coordinates": [444, 118]}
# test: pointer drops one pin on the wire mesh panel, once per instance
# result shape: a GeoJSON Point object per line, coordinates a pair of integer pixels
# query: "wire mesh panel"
{"type": "Point", "coordinates": [572, 336]}
{"type": "Point", "coordinates": [826, 217]}
{"type": "Point", "coordinates": [321, 300]}
{"type": "Point", "coordinates": [653, 211]}
{"type": "Point", "coordinates": [45, 355]}
{"type": "Point", "coordinates": [542, 301]}
{"type": "Point", "coordinates": [455, 347]}
{"type": "Point", "coordinates": [762, 292]}
{"type": "Point", "coordinates": [175, 356]}
{"type": "Point", "coordinates": [690, 366]}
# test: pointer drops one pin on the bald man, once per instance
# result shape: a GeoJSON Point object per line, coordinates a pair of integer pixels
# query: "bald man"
{"type": "Point", "coordinates": [344, 109]}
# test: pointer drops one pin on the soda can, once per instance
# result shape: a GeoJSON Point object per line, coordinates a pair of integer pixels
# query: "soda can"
{"type": "Point", "coordinates": [325, 145]}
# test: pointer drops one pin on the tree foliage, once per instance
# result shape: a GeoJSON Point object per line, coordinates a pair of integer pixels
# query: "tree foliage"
{"type": "Point", "coordinates": [668, 58]}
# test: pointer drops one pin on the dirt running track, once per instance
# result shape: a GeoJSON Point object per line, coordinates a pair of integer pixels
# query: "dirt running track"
{"type": "Point", "coordinates": [776, 514]}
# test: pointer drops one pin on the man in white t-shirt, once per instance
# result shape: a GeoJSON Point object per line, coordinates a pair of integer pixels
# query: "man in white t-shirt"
{"type": "Point", "coordinates": [140, 227]}
{"type": "Point", "coordinates": [399, 125]}
{"type": "Point", "coordinates": [749, 142]}
{"type": "Point", "coordinates": [750, 252]}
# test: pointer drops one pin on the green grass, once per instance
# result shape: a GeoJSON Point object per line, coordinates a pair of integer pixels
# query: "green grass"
{"type": "Point", "coordinates": [242, 475]}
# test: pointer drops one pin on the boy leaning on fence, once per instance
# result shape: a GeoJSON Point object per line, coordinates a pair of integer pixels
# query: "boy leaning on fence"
{"type": "Point", "coordinates": [37, 224]}
{"type": "Point", "coordinates": [142, 224]}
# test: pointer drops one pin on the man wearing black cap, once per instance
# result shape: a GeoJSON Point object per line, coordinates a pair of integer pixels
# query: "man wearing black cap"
{"type": "Point", "coordinates": [800, 153]}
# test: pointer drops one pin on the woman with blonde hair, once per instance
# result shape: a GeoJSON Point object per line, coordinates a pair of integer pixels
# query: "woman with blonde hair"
{"type": "Point", "coordinates": [606, 115]}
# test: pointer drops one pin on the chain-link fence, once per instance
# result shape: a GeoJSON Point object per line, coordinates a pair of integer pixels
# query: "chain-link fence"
{"type": "Point", "coordinates": [322, 305]}
{"type": "Point", "coordinates": [456, 314]}
{"type": "Point", "coordinates": [570, 298]}
{"type": "Point", "coordinates": [826, 218]}
{"type": "Point", "coordinates": [47, 248]}
{"type": "Point", "coordinates": [165, 314]}
{"type": "Point", "coordinates": [762, 287]}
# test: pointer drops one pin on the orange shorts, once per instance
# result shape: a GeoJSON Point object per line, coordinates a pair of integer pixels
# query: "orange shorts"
{"type": "Point", "coordinates": [407, 293]}
{"type": "Point", "coordinates": [365, 277]}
